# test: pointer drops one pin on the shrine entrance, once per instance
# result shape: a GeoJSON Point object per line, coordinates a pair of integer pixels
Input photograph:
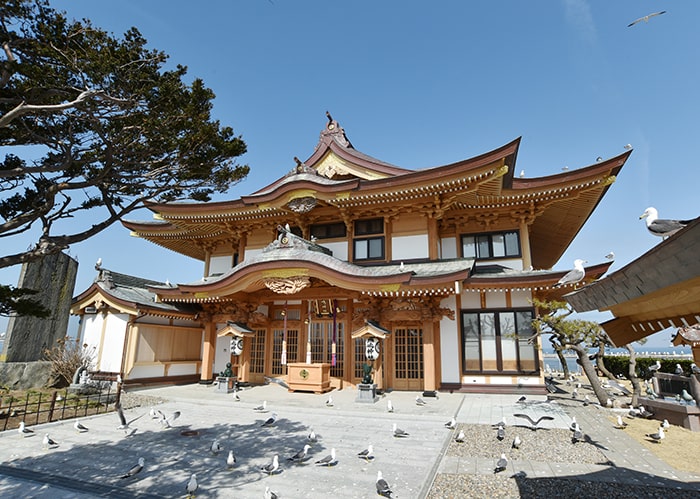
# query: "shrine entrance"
{"type": "Point", "coordinates": [408, 359]}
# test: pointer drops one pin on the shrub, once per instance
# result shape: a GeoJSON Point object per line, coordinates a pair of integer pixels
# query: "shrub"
{"type": "Point", "coordinates": [66, 358]}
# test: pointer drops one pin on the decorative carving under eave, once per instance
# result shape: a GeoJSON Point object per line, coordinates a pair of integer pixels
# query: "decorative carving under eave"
{"type": "Point", "coordinates": [302, 205]}
{"type": "Point", "coordinates": [287, 286]}
{"type": "Point", "coordinates": [231, 311]}
{"type": "Point", "coordinates": [385, 310]}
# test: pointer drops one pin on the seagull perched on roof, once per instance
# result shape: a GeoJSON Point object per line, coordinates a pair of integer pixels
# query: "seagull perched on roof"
{"type": "Point", "coordinates": [659, 226]}
{"type": "Point", "coordinates": [574, 275]}
{"type": "Point", "coordinates": [646, 18]}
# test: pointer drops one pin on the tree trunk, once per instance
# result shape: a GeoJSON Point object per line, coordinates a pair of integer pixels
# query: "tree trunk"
{"type": "Point", "coordinates": [562, 360]}
{"type": "Point", "coordinates": [600, 361]}
{"type": "Point", "coordinates": [591, 374]}
{"type": "Point", "coordinates": [632, 376]}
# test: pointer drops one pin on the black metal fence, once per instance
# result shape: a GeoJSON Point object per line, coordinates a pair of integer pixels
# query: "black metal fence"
{"type": "Point", "coordinates": [36, 407]}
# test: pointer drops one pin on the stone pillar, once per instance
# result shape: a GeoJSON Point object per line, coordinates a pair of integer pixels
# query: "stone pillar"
{"type": "Point", "coordinates": [27, 337]}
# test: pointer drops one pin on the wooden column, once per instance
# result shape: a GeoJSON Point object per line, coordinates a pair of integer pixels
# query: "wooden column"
{"type": "Point", "coordinates": [244, 360]}
{"type": "Point", "coordinates": [525, 244]}
{"type": "Point", "coordinates": [433, 239]}
{"type": "Point", "coordinates": [208, 352]}
{"type": "Point", "coordinates": [429, 371]}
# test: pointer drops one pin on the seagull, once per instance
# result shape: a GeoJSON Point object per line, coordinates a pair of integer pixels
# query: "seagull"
{"type": "Point", "coordinates": [329, 460]}
{"type": "Point", "coordinates": [389, 406]}
{"type": "Point", "coordinates": [694, 368]}
{"type": "Point", "coordinates": [23, 430]}
{"type": "Point", "coordinates": [124, 424]}
{"type": "Point", "coordinates": [573, 276]}
{"type": "Point", "coordinates": [574, 393]}
{"type": "Point", "coordinates": [516, 442]}
{"type": "Point", "coordinates": [621, 425]}
{"type": "Point", "coordinates": [419, 401]}
{"type": "Point", "coordinates": [301, 455]}
{"type": "Point", "coordinates": [577, 436]}
{"type": "Point", "coordinates": [628, 146]}
{"type": "Point", "coordinates": [49, 442]}
{"type": "Point", "coordinates": [79, 427]}
{"type": "Point", "coordinates": [586, 401]}
{"type": "Point", "coordinates": [167, 422]}
{"type": "Point", "coordinates": [502, 422]}
{"type": "Point", "coordinates": [573, 424]}
{"type": "Point", "coordinates": [534, 422]}
{"type": "Point", "coordinates": [271, 467]}
{"type": "Point", "coordinates": [665, 424]}
{"type": "Point", "coordinates": [367, 454]}
{"type": "Point", "coordinates": [215, 447]}
{"type": "Point", "coordinates": [398, 432]}
{"type": "Point", "coordinates": [661, 227]}
{"type": "Point", "coordinates": [235, 394]}
{"type": "Point", "coordinates": [687, 396]}
{"type": "Point", "coordinates": [655, 367]}
{"type": "Point", "coordinates": [610, 256]}
{"type": "Point", "coordinates": [522, 173]}
{"type": "Point", "coordinates": [501, 433]}
{"type": "Point", "coordinates": [269, 494]}
{"type": "Point", "coordinates": [312, 437]}
{"type": "Point", "coordinates": [658, 436]}
{"type": "Point", "coordinates": [679, 370]}
{"type": "Point", "coordinates": [128, 432]}
{"type": "Point", "coordinates": [271, 420]}
{"type": "Point", "coordinates": [192, 485]}
{"type": "Point", "coordinates": [156, 413]}
{"type": "Point", "coordinates": [329, 401]}
{"type": "Point", "coordinates": [522, 399]}
{"type": "Point", "coordinates": [460, 437]}
{"type": "Point", "coordinates": [134, 469]}
{"type": "Point", "coordinates": [383, 488]}
{"type": "Point", "coordinates": [261, 408]}
{"type": "Point", "coordinates": [230, 460]}
{"type": "Point", "coordinates": [451, 424]}
{"type": "Point", "coordinates": [645, 18]}
{"type": "Point", "coordinates": [502, 464]}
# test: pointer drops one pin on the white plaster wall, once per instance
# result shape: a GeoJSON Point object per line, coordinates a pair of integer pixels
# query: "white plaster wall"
{"type": "Point", "coordinates": [91, 332]}
{"type": "Point", "coordinates": [220, 264]}
{"type": "Point", "coordinates": [449, 345]}
{"type": "Point", "coordinates": [150, 371]}
{"type": "Point", "coordinates": [113, 346]}
{"type": "Point", "coordinates": [408, 247]}
{"type": "Point", "coordinates": [521, 298]}
{"type": "Point", "coordinates": [448, 248]}
{"type": "Point", "coordinates": [471, 300]}
{"type": "Point", "coordinates": [182, 369]}
{"type": "Point", "coordinates": [339, 249]}
{"type": "Point", "coordinates": [221, 354]}
{"type": "Point", "coordinates": [495, 299]}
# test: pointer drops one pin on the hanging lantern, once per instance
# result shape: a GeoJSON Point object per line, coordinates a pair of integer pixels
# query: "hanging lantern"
{"type": "Point", "coordinates": [372, 348]}
{"type": "Point", "coordinates": [236, 345]}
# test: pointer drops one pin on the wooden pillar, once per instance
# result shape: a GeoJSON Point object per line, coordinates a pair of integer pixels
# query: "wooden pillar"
{"type": "Point", "coordinates": [525, 245]}
{"type": "Point", "coordinates": [208, 353]}
{"type": "Point", "coordinates": [244, 360]}
{"type": "Point", "coordinates": [433, 239]}
{"type": "Point", "coordinates": [429, 371]}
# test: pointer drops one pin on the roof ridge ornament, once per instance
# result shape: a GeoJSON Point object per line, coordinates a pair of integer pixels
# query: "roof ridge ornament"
{"type": "Point", "coordinates": [335, 132]}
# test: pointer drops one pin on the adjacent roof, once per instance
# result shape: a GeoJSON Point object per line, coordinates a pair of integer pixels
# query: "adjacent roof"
{"type": "Point", "coordinates": [658, 290]}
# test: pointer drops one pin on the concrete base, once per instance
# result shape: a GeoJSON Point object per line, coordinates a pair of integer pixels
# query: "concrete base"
{"type": "Point", "coordinates": [225, 384]}
{"type": "Point", "coordinates": [687, 416]}
{"type": "Point", "coordinates": [366, 393]}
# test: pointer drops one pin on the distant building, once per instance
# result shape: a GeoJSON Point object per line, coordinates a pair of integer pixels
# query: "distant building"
{"type": "Point", "coordinates": [442, 264]}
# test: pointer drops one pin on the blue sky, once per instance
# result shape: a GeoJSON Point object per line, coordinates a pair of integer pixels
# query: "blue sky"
{"type": "Point", "coordinates": [421, 84]}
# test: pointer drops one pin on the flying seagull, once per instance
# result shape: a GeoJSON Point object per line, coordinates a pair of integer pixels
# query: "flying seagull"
{"type": "Point", "coordinates": [49, 442]}
{"type": "Point", "coordinates": [230, 460]}
{"type": "Point", "coordinates": [533, 422]}
{"type": "Point", "coordinates": [134, 469]}
{"type": "Point", "coordinates": [451, 424]}
{"type": "Point", "coordinates": [502, 464]}
{"type": "Point", "coordinates": [24, 430]}
{"type": "Point", "coordinates": [574, 275]}
{"type": "Point", "coordinates": [398, 432]}
{"type": "Point", "coordinates": [659, 226]}
{"type": "Point", "coordinates": [367, 454]}
{"type": "Point", "coordinates": [79, 427]}
{"type": "Point", "coordinates": [383, 488]}
{"type": "Point", "coordinates": [167, 422]}
{"type": "Point", "coordinates": [271, 420]}
{"type": "Point", "coordinates": [272, 466]}
{"type": "Point", "coordinates": [156, 413]}
{"type": "Point", "coordinates": [124, 424]}
{"type": "Point", "coordinates": [261, 408]}
{"type": "Point", "coordinates": [301, 455]}
{"type": "Point", "coordinates": [328, 460]}
{"type": "Point", "coordinates": [192, 485]}
{"type": "Point", "coordinates": [645, 18]}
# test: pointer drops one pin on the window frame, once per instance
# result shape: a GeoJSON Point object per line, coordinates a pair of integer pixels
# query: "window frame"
{"type": "Point", "coordinates": [489, 240]}
{"type": "Point", "coordinates": [366, 232]}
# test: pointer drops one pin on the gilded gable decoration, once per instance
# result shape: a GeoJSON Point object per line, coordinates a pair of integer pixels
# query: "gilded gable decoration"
{"type": "Point", "coordinates": [287, 286]}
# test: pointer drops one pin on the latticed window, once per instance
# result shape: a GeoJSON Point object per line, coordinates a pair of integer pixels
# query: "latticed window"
{"type": "Point", "coordinates": [408, 353]}
{"type": "Point", "coordinates": [321, 338]}
{"type": "Point", "coordinates": [257, 352]}
{"type": "Point", "coordinates": [292, 349]}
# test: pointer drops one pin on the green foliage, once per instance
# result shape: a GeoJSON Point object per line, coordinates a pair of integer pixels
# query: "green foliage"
{"type": "Point", "coordinates": [619, 365]}
{"type": "Point", "coordinates": [568, 333]}
{"type": "Point", "coordinates": [16, 301]}
{"type": "Point", "coordinates": [112, 128]}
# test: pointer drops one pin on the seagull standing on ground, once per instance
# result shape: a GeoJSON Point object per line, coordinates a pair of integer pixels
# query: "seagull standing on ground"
{"type": "Point", "coordinates": [269, 494]}
{"type": "Point", "coordinates": [502, 464]}
{"type": "Point", "coordinates": [501, 432]}
{"type": "Point", "coordinates": [135, 469]}
{"type": "Point", "coordinates": [261, 408]}
{"type": "Point", "coordinates": [694, 368]}
{"type": "Point", "coordinates": [419, 401]}
{"type": "Point", "coordinates": [329, 401]}
{"type": "Point", "coordinates": [79, 427]}
{"type": "Point", "coordinates": [573, 276]}
{"type": "Point", "coordinates": [621, 425]}
{"type": "Point", "coordinates": [49, 442]}
{"type": "Point", "coordinates": [383, 488]}
{"type": "Point", "coordinates": [215, 447]}
{"type": "Point", "coordinates": [659, 226]}
{"type": "Point", "coordinates": [328, 460]}
{"type": "Point", "coordinates": [312, 437]}
{"type": "Point", "coordinates": [516, 442]}
{"type": "Point", "coordinates": [192, 485]}
{"type": "Point", "coordinates": [230, 460]}
{"type": "Point", "coordinates": [271, 467]}
{"type": "Point", "coordinates": [658, 436]}
{"type": "Point", "coordinates": [679, 370]}
{"type": "Point", "coordinates": [301, 455]}
{"type": "Point", "coordinates": [389, 406]}
{"type": "Point", "coordinates": [24, 430]}
{"type": "Point", "coordinates": [451, 424]}
{"type": "Point", "coordinates": [367, 454]}
{"type": "Point", "coordinates": [398, 432]}
{"type": "Point", "coordinates": [460, 437]}
{"type": "Point", "coordinates": [645, 18]}
{"type": "Point", "coordinates": [271, 420]}
{"type": "Point", "coordinates": [577, 435]}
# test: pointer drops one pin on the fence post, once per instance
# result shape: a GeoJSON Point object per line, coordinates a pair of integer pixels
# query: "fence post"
{"type": "Point", "coordinates": [53, 404]}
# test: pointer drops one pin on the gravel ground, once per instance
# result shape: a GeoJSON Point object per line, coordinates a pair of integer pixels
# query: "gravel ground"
{"type": "Point", "coordinates": [131, 400]}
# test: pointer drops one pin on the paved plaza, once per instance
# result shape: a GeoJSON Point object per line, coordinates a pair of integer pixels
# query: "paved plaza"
{"type": "Point", "coordinates": [90, 464]}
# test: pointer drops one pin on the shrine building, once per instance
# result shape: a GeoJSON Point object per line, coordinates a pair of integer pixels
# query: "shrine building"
{"type": "Point", "coordinates": [434, 270]}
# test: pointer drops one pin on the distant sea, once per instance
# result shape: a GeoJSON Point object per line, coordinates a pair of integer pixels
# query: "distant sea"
{"type": "Point", "coordinates": [551, 360]}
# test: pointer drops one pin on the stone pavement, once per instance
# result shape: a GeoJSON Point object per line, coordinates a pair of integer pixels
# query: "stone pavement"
{"type": "Point", "coordinates": [90, 464]}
